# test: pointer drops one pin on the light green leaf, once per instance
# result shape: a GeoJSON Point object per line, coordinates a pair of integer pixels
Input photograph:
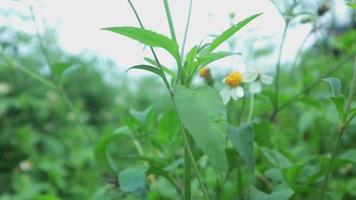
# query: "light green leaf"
{"type": "Point", "coordinates": [335, 85]}
{"type": "Point", "coordinates": [101, 148]}
{"type": "Point", "coordinates": [203, 114]}
{"type": "Point", "coordinates": [339, 102]}
{"type": "Point", "coordinates": [149, 38]}
{"type": "Point", "coordinates": [242, 139]}
{"type": "Point", "coordinates": [59, 68]}
{"type": "Point", "coordinates": [134, 180]}
{"type": "Point", "coordinates": [148, 68]}
{"type": "Point", "coordinates": [165, 69]}
{"type": "Point", "coordinates": [351, 5]}
{"type": "Point", "coordinates": [351, 187]}
{"type": "Point", "coordinates": [276, 158]}
{"type": "Point", "coordinates": [349, 155]}
{"type": "Point", "coordinates": [212, 57]}
{"type": "Point", "coordinates": [281, 192]}
{"type": "Point", "coordinates": [231, 31]}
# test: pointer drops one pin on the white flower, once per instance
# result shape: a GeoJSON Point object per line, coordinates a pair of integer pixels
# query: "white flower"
{"type": "Point", "coordinates": [262, 78]}
{"type": "Point", "coordinates": [233, 82]}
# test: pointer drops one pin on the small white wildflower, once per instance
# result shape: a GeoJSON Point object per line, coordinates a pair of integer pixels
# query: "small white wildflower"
{"type": "Point", "coordinates": [262, 78]}
{"type": "Point", "coordinates": [233, 84]}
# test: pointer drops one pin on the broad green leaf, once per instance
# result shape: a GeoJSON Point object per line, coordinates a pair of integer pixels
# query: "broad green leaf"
{"type": "Point", "coordinates": [231, 31]}
{"type": "Point", "coordinates": [133, 180]}
{"type": "Point", "coordinates": [349, 155]}
{"type": "Point", "coordinates": [281, 192]}
{"type": "Point", "coordinates": [149, 38]}
{"type": "Point", "coordinates": [165, 69]}
{"type": "Point", "coordinates": [276, 158]}
{"type": "Point", "coordinates": [335, 85]}
{"type": "Point", "coordinates": [262, 132]}
{"type": "Point", "coordinates": [101, 148]}
{"type": "Point", "coordinates": [59, 68]}
{"type": "Point", "coordinates": [148, 68]}
{"type": "Point", "coordinates": [203, 114]}
{"type": "Point", "coordinates": [351, 187]}
{"type": "Point", "coordinates": [242, 139]}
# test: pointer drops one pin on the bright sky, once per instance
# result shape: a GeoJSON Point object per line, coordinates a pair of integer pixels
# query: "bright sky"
{"type": "Point", "coordinates": [79, 22]}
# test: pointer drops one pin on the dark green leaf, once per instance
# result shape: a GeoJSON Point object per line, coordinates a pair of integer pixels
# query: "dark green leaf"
{"type": "Point", "coordinates": [339, 102]}
{"type": "Point", "coordinates": [212, 57]}
{"type": "Point", "coordinates": [165, 69]}
{"type": "Point", "coordinates": [101, 148]}
{"type": "Point", "coordinates": [149, 38]}
{"type": "Point", "coordinates": [203, 113]}
{"type": "Point", "coordinates": [231, 31]}
{"type": "Point", "coordinates": [148, 68]}
{"type": "Point", "coordinates": [335, 85]}
{"type": "Point", "coordinates": [134, 180]}
{"type": "Point", "coordinates": [242, 139]}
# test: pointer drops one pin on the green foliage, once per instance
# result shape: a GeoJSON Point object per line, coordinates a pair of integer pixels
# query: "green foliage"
{"type": "Point", "coordinates": [203, 115]}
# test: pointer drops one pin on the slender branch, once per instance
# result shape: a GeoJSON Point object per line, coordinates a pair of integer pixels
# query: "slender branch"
{"type": "Point", "coordinates": [186, 27]}
{"type": "Point", "coordinates": [278, 65]}
{"type": "Point", "coordinates": [310, 87]}
{"type": "Point", "coordinates": [187, 172]}
{"type": "Point", "coordinates": [170, 21]}
{"type": "Point", "coordinates": [352, 88]}
{"type": "Point", "coordinates": [153, 51]}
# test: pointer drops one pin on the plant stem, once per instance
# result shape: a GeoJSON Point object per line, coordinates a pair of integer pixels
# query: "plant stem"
{"type": "Point", "coordinates": [310, 87]}
{"type": "Point", "coordinates": [186, 27]}
{"type": "Point", "coordinates": [250, 111]}
{"type": "Point", "coordinates": [239, 182]}
{"type": "Point", "coordinates": [187, 172]}
{"type": "Point", "coordinates": [331, 163]}
{"type": "Point", "coordinates": [352, 88]}
{"type": "Point", "coordinates": [170, 21]}
{"type": "Point", "coordinates": [278, 65]}
{"type": "Point", "coordinates": [166, 83]}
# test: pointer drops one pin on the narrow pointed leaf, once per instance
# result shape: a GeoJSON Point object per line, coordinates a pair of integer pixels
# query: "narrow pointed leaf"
{"type": "Point", "coordinates": [148, 68]}
{"type": "Point", "coordinates": [230, 32]}
{"type": "Point", "coordinates": [149, 38]}
{"type": "Point", "coordinates": [205, 60]}
{"type": "Point", "coordinates": [165, 69]}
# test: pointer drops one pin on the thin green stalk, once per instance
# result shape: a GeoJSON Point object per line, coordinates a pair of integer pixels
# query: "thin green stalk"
{"type": "Point", "coordinates": [186, 28]}
{"type": "Point", "coordinates": [187, 172]}
{"type": "Point", "coordinates": [352, 88]}
{"type": "Point", "coordinates": [242, 110]}
{"type": "Point", "coordinates": [310, 87]}
{"type": "Point", "coordinates": [331, 163]}
{"type": "Point", "coordinates": [165, 80]}
{"type": "Point", "coordinates": [239, 182]}
{"type": "Point", "coordinates": [170, 21]}
{"type": "Point", "coordinates": [250, 111]}
{"type": "Point", "coordinates": [278, 65]}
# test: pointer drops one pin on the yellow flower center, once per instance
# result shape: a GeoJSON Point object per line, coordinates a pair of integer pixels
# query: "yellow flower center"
{"type": "Point", "coordinates": [204, 72]}
{"type": "Point", "coordinates": [234, 79]}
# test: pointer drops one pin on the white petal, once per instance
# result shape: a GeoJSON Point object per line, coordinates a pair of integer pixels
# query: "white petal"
{"type": "Point", "coordinates": [255, 87]}
{"type": "Point", "coordinates": [225, 93]}
{"type": "Point", "coordinates": [266, 79]}
{"type": "Point", "coordinates": [238, 92]}
{"type": "Point", "coordinates": [249, 77]}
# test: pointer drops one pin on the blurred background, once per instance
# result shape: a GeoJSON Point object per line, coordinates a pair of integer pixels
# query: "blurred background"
{"type": "Point", "coordinates": [63, 82]}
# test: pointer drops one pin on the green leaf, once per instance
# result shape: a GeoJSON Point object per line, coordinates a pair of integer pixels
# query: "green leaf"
{"type": "Point", "coordinates": [203, 114]}
{"type": "Point", "coordinates": [59, 68]}
{"type": "Point", "coordinates": [335, 85]}
{"type": "Point", "coordinates": [281, 192]}
{"type": "Point", "coordinates": [148, 68]}
{"type": "Point", "coordinates": [141, 116]}
{"type": "Point", "coordinates": [242, 139]}
{"type": "Point", "coordinates": [165, 69]}
{"type": "Point", "coordinates": [161, 172]}
{"type": "Point", "coordinates": [149, 38]}
{"type": "Point", "coordinates": [351, 187]}
{"type": "Point", "coordinates": [339, 102]}
{"type": "Point", "coordinates": [134, 180]}
{"type": "Point", "coordinates": [349, 155]}
{"type": "Point", "coordinates": [351, 5]}
{"type": "Point", "coordinates": [101, 148]}
{"type": "Point", "coordinates": [276, 158]}
{"type": "Point", "coordinates": [212, 57]}
{"type": "Point", "coordinates": [231, 31]}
